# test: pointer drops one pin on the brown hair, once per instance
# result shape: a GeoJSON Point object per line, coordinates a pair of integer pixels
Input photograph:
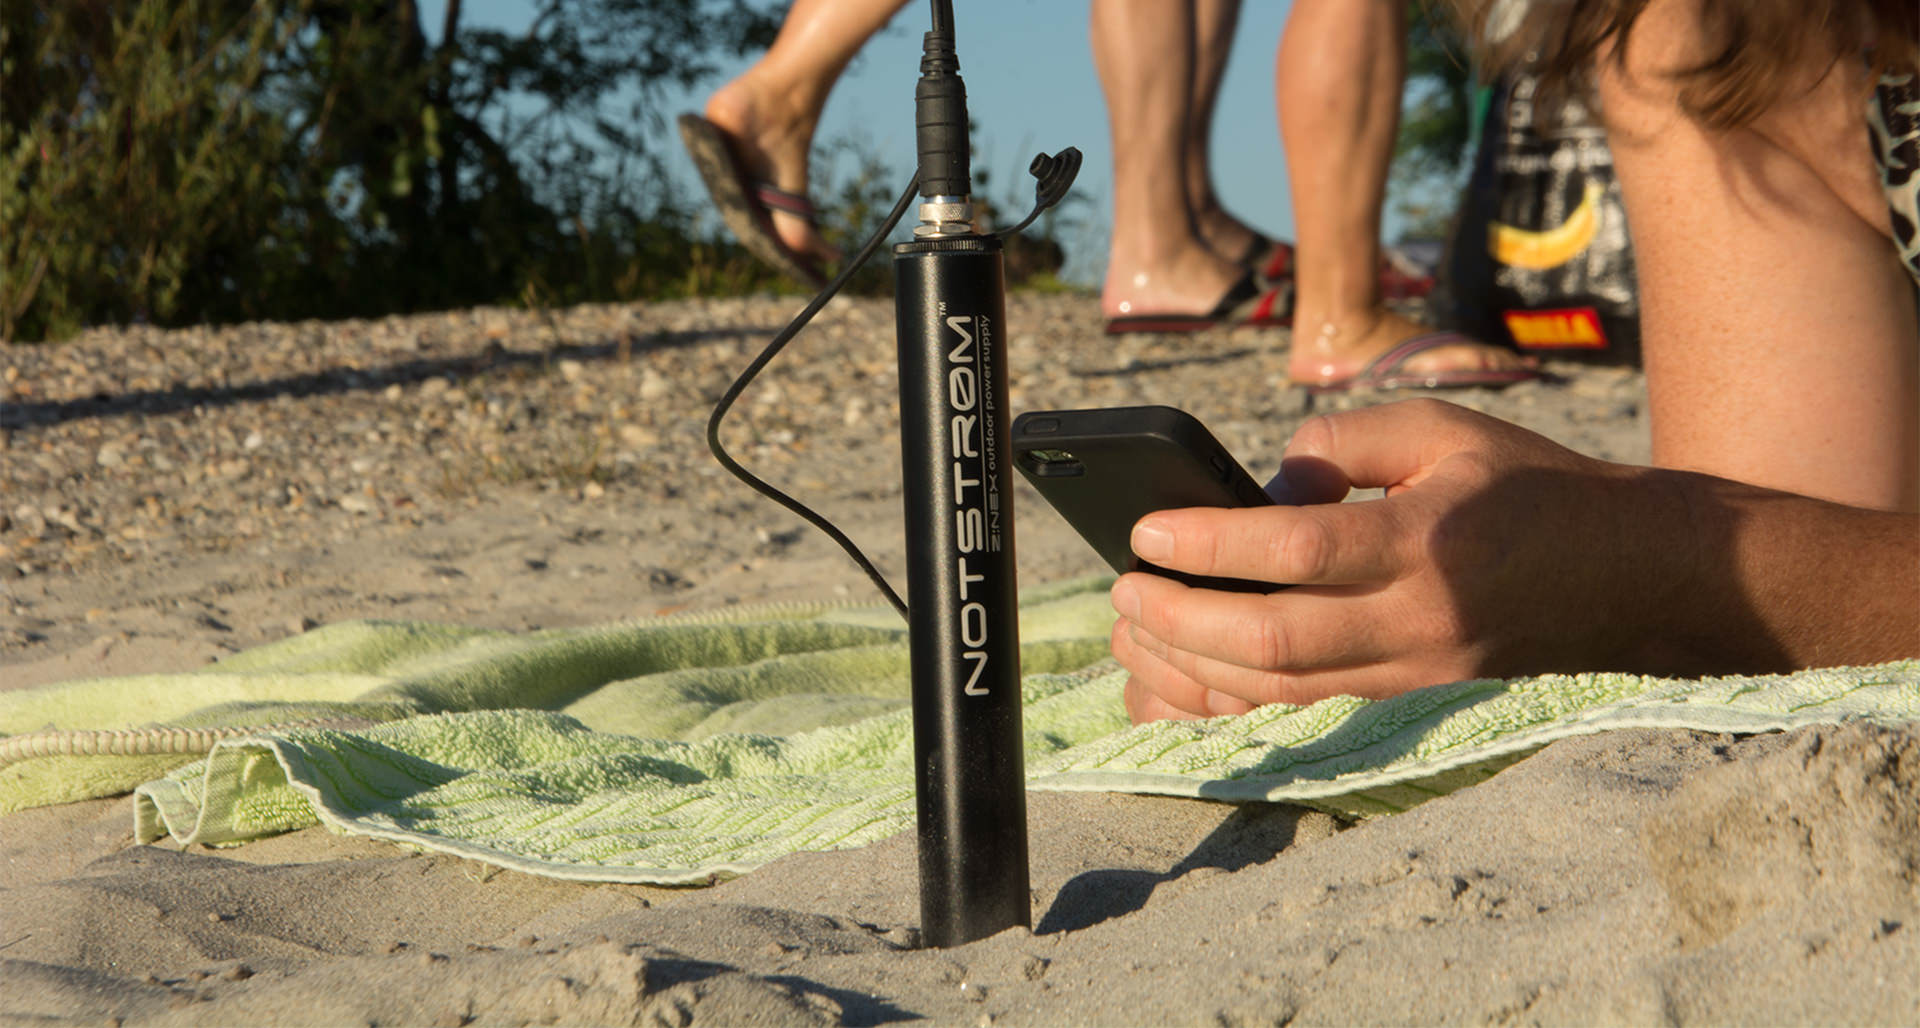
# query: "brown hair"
{"type": "Point", "coordinates": [1752, 46]}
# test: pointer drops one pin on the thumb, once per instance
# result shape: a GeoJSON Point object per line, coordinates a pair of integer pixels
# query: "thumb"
{"type": "Point", "coordinates": [1383, 446]}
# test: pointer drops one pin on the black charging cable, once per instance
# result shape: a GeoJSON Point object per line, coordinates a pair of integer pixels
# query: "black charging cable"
{"type": "Point", "coordinates": [1054, 173]}
{"type": "Point", "coordinates": [780, 341]}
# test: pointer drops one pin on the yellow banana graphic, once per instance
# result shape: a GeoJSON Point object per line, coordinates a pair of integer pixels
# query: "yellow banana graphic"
{"type": "Point", "coordinates": [1549, 248]}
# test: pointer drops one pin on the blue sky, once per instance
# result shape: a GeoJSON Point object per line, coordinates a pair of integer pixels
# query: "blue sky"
{"type": "Point", "coordinates": [1030, 87]}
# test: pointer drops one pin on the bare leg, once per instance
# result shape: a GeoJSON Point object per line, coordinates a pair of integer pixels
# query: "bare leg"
{"type": "Point", "coordinates": [1339, 78]}
{"type": "Point", "coordinates": [1778, 325]}
{"type": "Point", "coordinates": [1144, 51]}
{"type": "Point", "coordinates": [772, 109]}
{"type": "Point", "coordinates": [1214, 23]}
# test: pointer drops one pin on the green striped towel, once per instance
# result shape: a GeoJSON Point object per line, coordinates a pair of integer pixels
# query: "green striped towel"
{"type": "Point", "coordinates": [681, 750]}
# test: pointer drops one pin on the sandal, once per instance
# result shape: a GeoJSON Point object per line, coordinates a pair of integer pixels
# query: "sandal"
{"type": "Point", "coordinates": [1270, 260]}
{"type": "Point", "coordinates": [1248, 302]}
{"type": "Point", "coordinates": [747, 205]}
{"type": "Point", "coordinates": [1389, 371]}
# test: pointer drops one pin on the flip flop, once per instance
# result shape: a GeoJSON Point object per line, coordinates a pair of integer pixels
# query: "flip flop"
{"type": "Point", "coordinates": [1248, 302]}
{"type": "Point", "coordinates": [746, 205]}
{"type": "Point", "coordinates": [1388, 371]}
{"type": "Point", "coordinates": [1270, 260]}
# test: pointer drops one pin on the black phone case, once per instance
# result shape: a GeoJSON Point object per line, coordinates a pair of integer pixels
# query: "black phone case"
{"type": "Point", "coordinates": [1104, 469]}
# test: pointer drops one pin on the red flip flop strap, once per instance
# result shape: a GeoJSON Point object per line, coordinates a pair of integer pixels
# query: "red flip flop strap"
{"type": "Point", "coordinates": [1275, 306]}
{"type": "Point", "coordinates": [1268, 307]}
{"type": "Point", "coordinates": [1249, 304]}
{"type": "Point", "coordinates": [774, 198]}
{"type": "Point", "coordinates": [1279, 264]}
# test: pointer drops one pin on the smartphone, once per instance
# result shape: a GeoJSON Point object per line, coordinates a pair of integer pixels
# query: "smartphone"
{"type": "Point", "coordinates": [1104, 469]}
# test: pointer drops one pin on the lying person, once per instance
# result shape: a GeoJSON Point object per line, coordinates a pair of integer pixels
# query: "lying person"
{"type": "Point", "coordinates": [1777, 529]}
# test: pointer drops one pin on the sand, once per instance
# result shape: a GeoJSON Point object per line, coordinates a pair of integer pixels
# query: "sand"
{"type": "Point", "coordinates": [1642, 877]}
{"type": "Point", "coordinates": [1634, 878]}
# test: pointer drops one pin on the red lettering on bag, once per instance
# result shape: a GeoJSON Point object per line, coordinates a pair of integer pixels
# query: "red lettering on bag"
{"type": "Point", "coordinates": [1573, 328]}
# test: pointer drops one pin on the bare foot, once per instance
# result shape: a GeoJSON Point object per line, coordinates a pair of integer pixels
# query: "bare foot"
{"type": "Point", "coordinates": [1326, 352]}
{"type": "Point", "coordinates": [773, 140]}
{"type": "Point", "coordinates": [1192, 283]}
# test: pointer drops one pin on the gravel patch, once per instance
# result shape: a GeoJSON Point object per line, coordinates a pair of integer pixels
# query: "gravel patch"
{"type": "Point", "coordinates": [222, 486]}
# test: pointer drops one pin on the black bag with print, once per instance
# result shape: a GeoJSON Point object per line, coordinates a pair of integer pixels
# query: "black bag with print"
{"type": "Point", "coordinates": [1540, 258]}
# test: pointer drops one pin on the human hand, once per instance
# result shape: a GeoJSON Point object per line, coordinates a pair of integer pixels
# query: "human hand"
{"type": "Point", "coordinates": [1494, 551]}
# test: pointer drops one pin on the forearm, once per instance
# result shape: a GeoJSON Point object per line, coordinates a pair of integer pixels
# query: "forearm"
{"type": "Point", "coordinates": [1777, 582]}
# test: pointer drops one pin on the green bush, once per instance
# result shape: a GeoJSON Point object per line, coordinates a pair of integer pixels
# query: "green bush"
{"type": "Point", "coordinates": [136, 159]}
{"type": "Point", "coordinates": [182, 161]}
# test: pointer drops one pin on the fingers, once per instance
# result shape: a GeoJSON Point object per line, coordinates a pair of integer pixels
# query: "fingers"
{"type": "Point", "coordinates": [1178, 691]}
{"type": "Point", "coordinates": [1144, 705]}
{"type": "Point", "coordinates": [1392, 444]}
{"type": "Point", "coordinates": [1333, 544]}
{"type": "Point", "coordinates": [1307, 480]}
{"type": "Point", "coordinates": [1293, 630]}
{"type": "Point", "coordinates": [1203, 653]}
{"type": "Point", "coordinates": [1397, 446]}
{"type": "Point", "coordinates": [1157, 690]}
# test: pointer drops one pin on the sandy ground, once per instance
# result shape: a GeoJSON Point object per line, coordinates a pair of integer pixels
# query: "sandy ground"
{"type": "Point", "coordinates": [1638, 878]}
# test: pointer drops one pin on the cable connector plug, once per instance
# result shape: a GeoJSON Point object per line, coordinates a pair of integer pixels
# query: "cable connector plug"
{"type": "Point", "coordinates": [940, 121]}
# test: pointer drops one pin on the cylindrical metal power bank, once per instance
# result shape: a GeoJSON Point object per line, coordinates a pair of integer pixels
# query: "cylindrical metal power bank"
{"type": "Point", "coordinates": [950, 305]}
